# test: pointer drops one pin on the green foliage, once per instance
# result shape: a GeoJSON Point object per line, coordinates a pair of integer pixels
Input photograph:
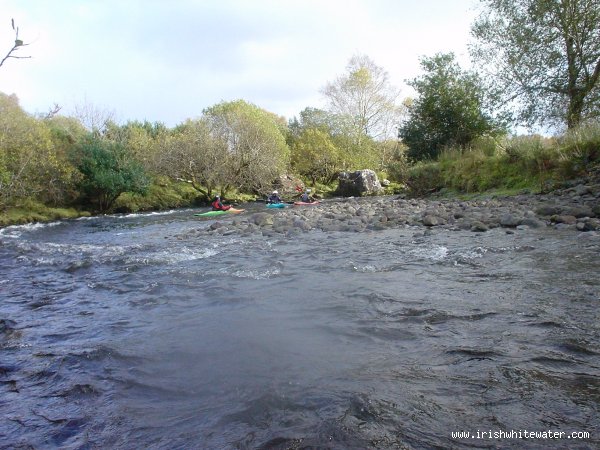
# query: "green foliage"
{"type": "Point", "coordinates": [32, 160]}
{"type": "Point", "coordinates": [580, 149]}
{"type": "Point", "coordinates": [107, 171]}
{"type": "Point", "coordinates": [365, 99]}
{"type": "Point", "coordinates": [448, 111]}
{"type": "Point", "coordinates": [520, 162]}
{"type": "Point", "coordinates": [255, 151]}
{"type": "Point", "coordinates": [543, 57]}
{"type": "Point", "coordinates": [424, 178]}
{"type": "Point", "coordinates": [399, 165]}
{"type": "Point", "coordinates": [193, 153]}
{"type": "Point", "coordinates": [315, 156]}
{"type": "Point", "coordinates": [162, 194]}
{"type": "Point", "coordinates": [32, 211]}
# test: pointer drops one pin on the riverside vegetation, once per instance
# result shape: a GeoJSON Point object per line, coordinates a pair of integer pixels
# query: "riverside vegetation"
{"type": "Point", "coordinates": [53, 168]}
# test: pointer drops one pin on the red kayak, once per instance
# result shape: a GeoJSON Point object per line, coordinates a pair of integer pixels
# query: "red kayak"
{"type": "Point", "coordinates": [305, 203]}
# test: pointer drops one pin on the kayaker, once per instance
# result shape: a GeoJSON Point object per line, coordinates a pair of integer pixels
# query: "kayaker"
{"type": "Point", "coordinates": [217, 205]}
{"type": "Point", "coordinates": [305, 197]}
{"type": "Point", "coordinates": [274, 198]}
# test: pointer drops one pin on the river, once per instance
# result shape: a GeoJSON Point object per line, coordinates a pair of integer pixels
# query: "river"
{"type": "Point", "coordinates": [121, 332]}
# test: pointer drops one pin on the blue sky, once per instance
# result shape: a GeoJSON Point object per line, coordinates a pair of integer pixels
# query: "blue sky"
{"type": "Point", "coordinates": [168, 60]}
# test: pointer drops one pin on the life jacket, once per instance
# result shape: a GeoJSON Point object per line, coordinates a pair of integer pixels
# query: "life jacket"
{"type": "Point", "coordinates": [217, 204]}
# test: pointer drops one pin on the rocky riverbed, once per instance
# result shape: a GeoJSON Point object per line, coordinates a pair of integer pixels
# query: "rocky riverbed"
{"type": "Point", "coordinates": [576, 208]}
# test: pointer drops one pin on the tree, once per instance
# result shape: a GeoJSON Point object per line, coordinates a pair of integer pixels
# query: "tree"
{"type": "Point", "coordinates": [255, 151]}
{"type": "Point", "coordinates": [191, 153]}
{"type": "Point", "coordinates": [448, 110]}
{"type": "Point", "coordinates": [311, 118]}
{"type": "Point", "coordinates": [32, 163]}
{"type": "Point", "coordinates": [365, 98]}
{"type": "Point", "coordinates": [543, 57]}
{"type": "Point", "coordinates": [315, 156]}
{"type": "Point", "coordinates": [95, 119]}
{"type": "Point", "coordinates": [17, 45]}
{"type": "Point", "coordinates": [350, 152]}
{"type": "Point", "coordinates": [107, 171]}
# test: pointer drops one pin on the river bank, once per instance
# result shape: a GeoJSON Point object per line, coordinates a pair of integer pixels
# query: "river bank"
{"type": "Point", "coordinates": [576, 207]}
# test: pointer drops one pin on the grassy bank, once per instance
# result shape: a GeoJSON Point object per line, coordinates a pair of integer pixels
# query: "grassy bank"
{"type": "Point", "coordinates": [31, 211]}
{"type": "Point", "coordinates": [161, 195]}
{"type": "Point", "coordinates": [513, 164]}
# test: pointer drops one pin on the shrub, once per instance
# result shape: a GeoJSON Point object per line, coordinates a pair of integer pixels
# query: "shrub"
{"type": "Point", "coordinates": [107, 171]}
{"type": "Point", "coordinates": [424, 178]}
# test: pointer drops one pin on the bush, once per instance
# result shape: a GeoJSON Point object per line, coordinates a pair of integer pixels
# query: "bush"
{"type": "Point", "coordinates": [424, 178]}
{"type": "Point", "coordinates": [160, 195]}
{"type": "Point", "coordinates": [580, 148]}
{"type": "Point", "coordinates": [107, 171]}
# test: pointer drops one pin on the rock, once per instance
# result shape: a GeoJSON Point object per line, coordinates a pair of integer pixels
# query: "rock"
{"type": "Point", "coordinates": [588, 225]}
{"type": "Point", "coordinates": [302, 224]}
{"type": "Point", "coordinates": [261, 219]}
{"type": "Point", "coordinates": [581, 189]}
{"type": "Point", "coordinates": [430, 221]}
{"type": "Point", "coordinates": [579, 211]}
{"type": "Point", "coordinates": [564, 226]}
{"type": "Point", "coordinates": [509, 220]}
{"type": "Point", "coordinates": [479, 226]}
{"type": "Point", "coordinates": [358, 183]}
{"type": "Point", "coordinates": [547, 210]}
{"type": "Point", "coordinates": [533, 223]}
{"type": "Point", "coordinates": [571, 220]}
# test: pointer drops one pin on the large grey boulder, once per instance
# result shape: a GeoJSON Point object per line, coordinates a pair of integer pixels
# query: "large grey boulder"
{"type": "Point", "coordinates": [358, 183]}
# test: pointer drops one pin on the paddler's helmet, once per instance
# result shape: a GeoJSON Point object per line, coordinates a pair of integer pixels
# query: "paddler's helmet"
{"type": "Point", "coordinates": [275, 192]}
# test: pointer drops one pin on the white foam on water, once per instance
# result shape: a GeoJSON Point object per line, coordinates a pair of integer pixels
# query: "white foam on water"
{"type": "Point", "coordinates": [87, 218]}
{"type": "Point", "coordinates": [188, 254]}
{"type": "Point", "coordinates": [255, 273]}
{"type": "Point", "coordinates": [369, 268]}
{"type": "Point", "coordinates": [143, 214]}
{"type": "Point", "coordinates": [174, 257]}
{"type": "Point", "coordinates": [477, 252]}
{"type": "Point", "coordinates": [435, 253]}
{"type": "Point", "coordinates": [15, 231]}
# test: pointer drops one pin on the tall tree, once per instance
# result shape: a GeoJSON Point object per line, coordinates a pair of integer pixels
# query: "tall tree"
{"type": "Point", "coordinates": [315, 156]}
{"type": "Point", "coordinates": [448, 110]}
{"type": "Point", "coordinates": [192, 154]}
{"type": "Point", "coordinates": [255, 151]}
{"type": "Point", "coordinates": [543, 57]}
{"type": "Point", "coordinates": [32, 163]}
{"type": "Point", "coordinates": [365, 97]}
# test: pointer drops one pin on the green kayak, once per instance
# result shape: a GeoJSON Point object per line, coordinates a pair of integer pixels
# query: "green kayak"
{"type": "Point", "coordinates": [219, 212]}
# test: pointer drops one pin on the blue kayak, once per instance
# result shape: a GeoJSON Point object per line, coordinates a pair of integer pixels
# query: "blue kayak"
{"type": "Point", "coordinates": [275, 205]}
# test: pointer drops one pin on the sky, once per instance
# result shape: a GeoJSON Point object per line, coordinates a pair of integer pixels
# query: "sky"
{"type": "Point", "coordinates": [167, 61]}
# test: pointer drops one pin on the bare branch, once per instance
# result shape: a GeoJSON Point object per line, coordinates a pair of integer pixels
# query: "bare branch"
{"type": "Point", "coordinates": [18, 44]}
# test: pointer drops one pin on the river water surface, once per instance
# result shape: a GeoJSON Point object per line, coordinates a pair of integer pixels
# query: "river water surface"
{"type": "Point", "coordinates": [120, 332]}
